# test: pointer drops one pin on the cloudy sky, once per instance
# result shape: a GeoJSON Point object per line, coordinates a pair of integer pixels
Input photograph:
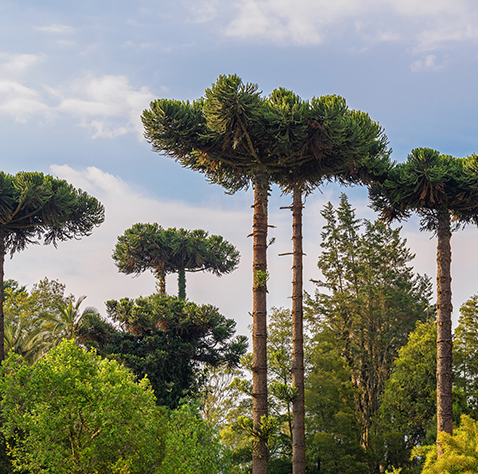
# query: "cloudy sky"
{"type": "Point", "coordinates": [75, 77]}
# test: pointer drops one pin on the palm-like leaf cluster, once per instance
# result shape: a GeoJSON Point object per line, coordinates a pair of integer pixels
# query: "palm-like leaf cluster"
{"type": "Point", "coordinates": [233, 133]}
{"type": "Point", "coordinates": [429, 183]}
{"type": "Point", "coordinates": [165, 251]}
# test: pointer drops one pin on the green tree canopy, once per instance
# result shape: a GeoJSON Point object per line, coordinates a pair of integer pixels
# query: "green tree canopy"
{"type": "Point", "coordinates": [372, 302]}
{"type": "Point", "coordinates": [440, 189]}
{"type": "Point", "coordinates": [237, 137]}
{"type": "Point", "coordinates": [73, 412]}
{"type": "Point", "coordinates": [150, 247]}
{"type": "Point", "coordinates": [167, 339]}
{"type": "Point", "coordinates": [35, 207]}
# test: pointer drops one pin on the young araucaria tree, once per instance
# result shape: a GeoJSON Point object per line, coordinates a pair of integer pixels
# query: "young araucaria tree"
{"type": "Point", "coordinates": [149, 246]}
{"type": "Point", "coordinates": [238, 138]}
{"type": "Point", "coordinates": [34, 206]}
{"type": "Point", "coordinates": [443, 191]}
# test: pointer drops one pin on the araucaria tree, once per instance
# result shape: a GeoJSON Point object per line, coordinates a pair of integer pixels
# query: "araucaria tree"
{"type": "Point", "coordinates": [34, 206]}
{"type": "Point", "coordinates": [149, 246]}
{"type": "Point", "coordinates": [239, 138]}
{"type": "Point", "coordinates": [442, 190]}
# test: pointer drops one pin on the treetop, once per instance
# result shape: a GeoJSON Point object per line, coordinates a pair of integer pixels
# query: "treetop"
{"type": "Point", "coordinates": [35, 206]}
{"type": "Point", "coordinates": [429, 183]}
{"type": "Point", "coordinates": [234, 134]}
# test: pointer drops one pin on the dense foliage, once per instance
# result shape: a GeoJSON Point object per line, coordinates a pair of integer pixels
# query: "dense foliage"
{"type": "Point", "coordinates": [75, 413]}
{"type": "Point", "coordinates": [163, 251]}
{"type": "Point", "coordinates": [167, 339]}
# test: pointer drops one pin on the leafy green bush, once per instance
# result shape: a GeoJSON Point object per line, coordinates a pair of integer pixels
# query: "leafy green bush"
{"type": "Point", "coordinates": [73, 412]}
{"type": "Point", "coordinates": [460, 451]}
{"type": "Point", "coordinates": [191, 445]}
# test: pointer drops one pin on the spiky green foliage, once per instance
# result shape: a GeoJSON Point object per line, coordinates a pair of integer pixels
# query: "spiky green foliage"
{"type": "Point", "coordinates": [164, 251]}
{"type": "Point", "coordinates": [35, 206]}
{"type": "Point", "coordinates": [233, 132]}
{"type": "Point", "coordinates": [460, 452]}
{"type": "Point", "coordinates": [429, 183]}
{"type": "Point", "coordinates": [168, 339]}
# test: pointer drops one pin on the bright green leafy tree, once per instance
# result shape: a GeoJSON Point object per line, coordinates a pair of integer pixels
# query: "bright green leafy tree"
{"type": "Point", "coordinates": [35, 206]}
{"type": "Point", "coordinates": [192, 445]}
{"type": "Point", "coordinates": [460, 452]}
{"type": "Point", "coordinates": [440, 189]}
{"type": "Point", "coordinates": [73, 412]}
{"type": "Point", "coordinates": [465, 354]}
{"type": "Point", "coordinates": [149, 246]}
{"type": "Point", "coordinates": [238, 138]}
{"type": "Point", "coordinates": [408, 404]}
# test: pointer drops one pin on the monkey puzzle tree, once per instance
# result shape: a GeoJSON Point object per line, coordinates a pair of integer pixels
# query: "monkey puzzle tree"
{"type": "Point", "coordinates": [149, 246]}
{"type": "Point", "coordinates": [34, 206]}
{"type": "Point", "coordinates": [440, 189]}
{"type": "Point", "coordinates": [239, 138]}
{"type": "Point", "coordinates": [353, 150]}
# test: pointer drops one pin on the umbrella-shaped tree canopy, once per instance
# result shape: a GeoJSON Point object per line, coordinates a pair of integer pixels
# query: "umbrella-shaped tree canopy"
{"type": "Point", "coordinates": [163, 251]}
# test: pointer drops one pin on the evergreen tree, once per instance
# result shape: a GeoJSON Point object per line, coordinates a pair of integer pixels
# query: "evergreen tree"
{"type": "Point", "coordinates": [167, 339]}
{"type": "Point", "coordinates": [35, 206]}
{"type": "Point", "coordinates": [238, 138]}
{"type": "Point", "coordinates": [149, 246]}
{"type": "Point", "coordinates": [372, 304]}
{"type": "Point", "coordinates": [439, 188]}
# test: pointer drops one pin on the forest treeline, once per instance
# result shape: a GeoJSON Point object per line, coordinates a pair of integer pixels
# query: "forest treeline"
{"type": "Point", "coordinates": [339, 395]}
{"type": "Point", "coordinates": [370, 370]}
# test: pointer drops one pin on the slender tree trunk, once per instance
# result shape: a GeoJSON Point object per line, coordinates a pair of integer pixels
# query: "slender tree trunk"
{"type": "Point", "coordinates": [260, 455]}
{"type": "Point", "coordinates": [444, 339]}
{"type": "Point", "coordinates": [161, 283]}
{"type": "Point", "coordinates": [182, 284]}
{"type": "Point", "coordinates": [2, 277]}
{"type": "Point", "coordinates": [298, 408]}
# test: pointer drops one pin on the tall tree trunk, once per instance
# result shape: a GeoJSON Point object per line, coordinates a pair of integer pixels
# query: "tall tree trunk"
{"type": "Point", "coordinates": [161, 283]}
{"type": "Point", "coordinates": [260, 455]}
{"type": "Point", "coordinates": [2, 277]}
{"type": "Point", "coordinates": [444, 339]}
{"type": "Point", "coordinates": [182, 284]}
{"type": "Point", "coordinates": [298, 408]}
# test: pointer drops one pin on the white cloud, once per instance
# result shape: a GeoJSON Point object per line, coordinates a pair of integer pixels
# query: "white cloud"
{"type": "Point", "coordinates": [425, 24]}
{"type": "Point", "coordinates": [18, 63]}
{"type": "Point", "coordinates": [202, 11]}
{"type": "Point", "coordinates": [108, 105]}
{"type": "Point", "coordinates": [20, 101]}
{"type": "Point", "coordinates": [57, 29]}
{"type": "Point", "coordinates": [427, 63]}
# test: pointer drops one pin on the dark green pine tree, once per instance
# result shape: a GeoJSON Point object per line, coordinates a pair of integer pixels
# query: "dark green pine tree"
{"type": "Point", "coordinates": [34, 206]}
{"type": "Point", "coordinates": [239, 138]}
{"type": "Point", "coordinates": [372, 304]}
{"type": "Point", "coordinates": [440, 189]}
{"type": "Point", "coordinates": [164, 251]}
{"type": "Point", "coordinates": [168, 339]}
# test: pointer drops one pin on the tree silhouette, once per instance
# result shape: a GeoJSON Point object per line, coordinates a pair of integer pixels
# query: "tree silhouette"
{"type": "Point", "coordinates": [34, 206]}
{"type": "Point", "coordinates": [149, 246]}
{"type": "Point", "coordinates": [237, 139]}
{"type": "Point", "coordinates": [440, 189]}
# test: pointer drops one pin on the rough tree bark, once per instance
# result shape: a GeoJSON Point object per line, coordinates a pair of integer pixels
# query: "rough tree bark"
{"type": "Point", "coordinates": [298, 409]}
{"type": "Point", "coordinates": [260, 455]}
{"type": "Point", "coordinates": [444, 338]}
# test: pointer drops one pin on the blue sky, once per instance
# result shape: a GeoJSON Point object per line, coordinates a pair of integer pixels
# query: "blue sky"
{"type": "Point", "coordinates": [75, 76]}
